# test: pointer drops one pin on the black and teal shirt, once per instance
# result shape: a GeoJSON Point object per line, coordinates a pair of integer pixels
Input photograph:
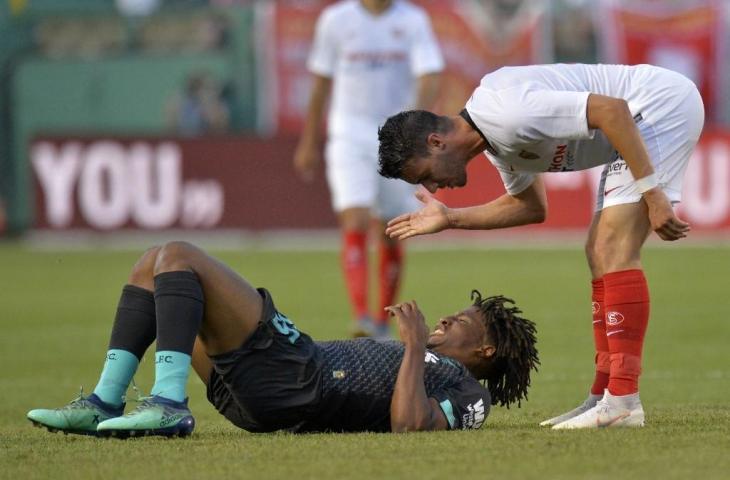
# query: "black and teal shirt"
{"type": "Point", "coordinates": [358, 378]}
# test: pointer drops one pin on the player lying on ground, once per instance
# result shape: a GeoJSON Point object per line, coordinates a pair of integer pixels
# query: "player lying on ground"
{"type": "Point", "coordinates": [640, 122]}
{"type": "Point", "coordinates": [263, 374]}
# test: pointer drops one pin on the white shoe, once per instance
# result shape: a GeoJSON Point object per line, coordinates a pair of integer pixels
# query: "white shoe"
{"type": "Point", "coordinates": [589, 403]}
{"type": "Point", "coordinates": [610, 411]}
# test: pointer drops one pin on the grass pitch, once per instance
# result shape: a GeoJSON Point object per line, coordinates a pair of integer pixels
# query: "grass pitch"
{"type": "Point", "coordinates": [56, 310]}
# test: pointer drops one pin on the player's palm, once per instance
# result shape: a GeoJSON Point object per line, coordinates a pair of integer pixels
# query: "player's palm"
{"type": "Point", "coordinates": [432, 218]}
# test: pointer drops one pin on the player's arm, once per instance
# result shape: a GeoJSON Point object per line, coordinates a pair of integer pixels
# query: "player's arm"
{"type": "Point", "coordinates": [427, 88]}
{"type": "Point", "coordinates": [528, 206]}
{"type": "Point", "coordinates": [306, 156]}
{"type": "Point", "coordinates": [613, 117]}
{"type": "Point", "coordinates": [410, 409]}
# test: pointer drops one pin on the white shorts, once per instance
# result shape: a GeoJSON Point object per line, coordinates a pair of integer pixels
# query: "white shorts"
{"type": "Point", "coordinates": [352, 175]}
{"type": "Point", "coordinates": [669, 136]}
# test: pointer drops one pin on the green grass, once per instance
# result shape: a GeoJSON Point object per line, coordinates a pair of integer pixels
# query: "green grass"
{"type": "Point", "coordinates": [57, 308]}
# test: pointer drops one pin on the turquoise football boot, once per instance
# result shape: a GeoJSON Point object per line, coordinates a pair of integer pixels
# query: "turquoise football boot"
{"type": "Point", "coordinates": [154, 415]}
{"type": "Point", "coordinates": [81, 416]}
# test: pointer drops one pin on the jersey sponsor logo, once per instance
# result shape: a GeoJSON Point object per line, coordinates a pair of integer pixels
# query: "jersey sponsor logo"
{"type": "Point", "coordinates": [605, 194]}
{"type": "Point", "coordinates": [556, 164]}
{"type": "Point", "coordinates": [474, 417]}
{"type": "Point", "coordinates": [377, 59]}
{"type": "Point", "coordinates": [528, 155]}
{"type": "Point", "coordinates": [614, 318]}
{"type": "Point", "coordinates": [595, 307]}
{"type": "Point", "coordinates": [431, 358]}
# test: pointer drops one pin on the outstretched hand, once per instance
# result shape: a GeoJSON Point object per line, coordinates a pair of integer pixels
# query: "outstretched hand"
{"type": "Point", "coordinates": [411, 323]}
{"type": "Point", "coordinates": [432, 218]}
{"type": "Point", "coordinates": [661, 215]}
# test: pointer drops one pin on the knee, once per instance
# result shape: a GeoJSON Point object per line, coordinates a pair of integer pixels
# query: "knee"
{"type": "Point", "coordinates": [143, 270]}
{"type": "Point", "coordinates": [174, 256]}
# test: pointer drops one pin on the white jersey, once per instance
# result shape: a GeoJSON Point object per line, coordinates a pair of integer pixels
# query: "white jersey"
{"type": "Point", "coordinates": [534, 117]}
{"type": "Point", "coordinates": [374, 61]}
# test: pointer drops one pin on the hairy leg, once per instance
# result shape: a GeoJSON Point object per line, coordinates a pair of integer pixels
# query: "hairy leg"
{"type": "Point", "coordinates": [620, 234]}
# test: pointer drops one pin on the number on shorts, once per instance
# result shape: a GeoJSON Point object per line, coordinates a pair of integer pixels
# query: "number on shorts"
{"type": "Point", "coordinates": [285, 327]}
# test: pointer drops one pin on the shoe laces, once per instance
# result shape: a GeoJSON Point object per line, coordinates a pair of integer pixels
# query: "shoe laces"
{"type": "Point", "coordinates": [80, 401]}
{"type": "Point", "coordinates": [602, 406]}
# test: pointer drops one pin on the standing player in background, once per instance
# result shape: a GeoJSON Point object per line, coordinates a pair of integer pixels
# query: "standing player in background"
{"type": "Point", "coordinates": [642, 122]}
{"type": "Point", "coordinates": [378, 57]}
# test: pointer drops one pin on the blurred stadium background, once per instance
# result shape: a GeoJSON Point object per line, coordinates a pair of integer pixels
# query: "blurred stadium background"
{"type": "Point", "coordinates": [127, 122]}
{"type": "Point", "coordinates": [131, 116]}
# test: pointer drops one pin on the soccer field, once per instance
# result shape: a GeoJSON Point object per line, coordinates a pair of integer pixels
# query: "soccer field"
{"type": "Point", "coordinates": [57, 309]}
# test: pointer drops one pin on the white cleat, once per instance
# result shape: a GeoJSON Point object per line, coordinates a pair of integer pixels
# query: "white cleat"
{"type": "Point", "coordinates": [610, 411]}
{"type": "Point", "coordinates": [589, 403]}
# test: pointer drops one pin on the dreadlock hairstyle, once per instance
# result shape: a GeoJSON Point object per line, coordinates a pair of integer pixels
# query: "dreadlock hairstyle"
{"type": "Point", "coordinates": [403, 136]}
{"type": "Point", "coordinates": [516, 355]}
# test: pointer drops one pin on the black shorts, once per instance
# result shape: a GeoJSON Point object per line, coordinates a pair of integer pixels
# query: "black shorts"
{"type": "Point", "coordinates": [271, 382]}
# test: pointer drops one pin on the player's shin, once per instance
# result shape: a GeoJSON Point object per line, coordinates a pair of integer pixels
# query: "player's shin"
{"type": "Point", "coordinates": [602, 358]}
{"type": "Point", "coordinates": [627, 317]}
{"type": "Point", "coordinates": [133, 332]}
{"type": "Point", "coordinates": [179, 306]}
{"type": "Point", "coordinates": [390, 270]}
{"type": "Point", "coordinates": [355, 269]}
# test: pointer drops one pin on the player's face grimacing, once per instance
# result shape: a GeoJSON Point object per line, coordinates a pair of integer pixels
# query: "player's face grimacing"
{"type": "Point", "coordinates": [435, 171]}
{"type": "Point", "coordinates": [462, 336]}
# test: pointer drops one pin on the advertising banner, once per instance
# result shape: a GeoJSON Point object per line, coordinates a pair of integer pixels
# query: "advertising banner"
{"type": "Point", "coordinates": [688, 37]}
{"type": "Point", "coordinates": [157, 183]}
{"type": "Point", "coordinates": [246, 183]}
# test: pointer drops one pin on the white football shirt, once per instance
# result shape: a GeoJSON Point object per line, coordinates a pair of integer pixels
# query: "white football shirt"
{"type": "Point", "coordinates": [535, 116]}
{"type": "Point", "coordinates": [374, 61]}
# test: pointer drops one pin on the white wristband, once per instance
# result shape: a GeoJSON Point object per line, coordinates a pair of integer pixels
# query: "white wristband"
{"type": "Point", "coordinates": [647, 183]}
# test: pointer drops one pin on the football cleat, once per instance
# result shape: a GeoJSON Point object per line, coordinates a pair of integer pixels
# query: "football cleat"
{"type": "Point", "coordinates": [154, 415]}
{"type": "Point", "coordinates": [81, 416]}
{"type": "Point", "coordinates": [610, 411]}
{"type": "Point", "coordinates": [363, 327]}
{"type": "Point", "coordinates": [589, 403]}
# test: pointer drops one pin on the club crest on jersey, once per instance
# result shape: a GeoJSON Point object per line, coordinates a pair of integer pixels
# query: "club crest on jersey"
{"type": "Point", "coordinates": [595, 307]}
{"type": "Point", "coordinates": [614, 318]}
{"type": "Point", "coordinates": [528, 155]}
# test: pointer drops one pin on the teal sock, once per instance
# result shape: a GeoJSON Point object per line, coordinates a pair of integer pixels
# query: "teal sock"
{"type": "Point", "coordinates": [118, 371]}
{"type": "Point", "coordinates": [171, 374]}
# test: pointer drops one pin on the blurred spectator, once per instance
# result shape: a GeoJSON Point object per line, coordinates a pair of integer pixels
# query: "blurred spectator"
{"type": "Point", "coordinates": [200, 108]}
{"type": "Point", "coordinates": [574, 37]}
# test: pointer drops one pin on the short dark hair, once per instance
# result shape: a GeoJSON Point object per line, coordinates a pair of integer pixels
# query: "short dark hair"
{"type": "Point", "coordinates": [516, 355]}
{"type": "Point", "coordinates": [403, 136]}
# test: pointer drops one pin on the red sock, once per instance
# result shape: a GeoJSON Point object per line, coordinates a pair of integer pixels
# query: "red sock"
{"type": "Point", "coordinates": [390, 266]}
{"type": "Point", "coordinates": [627, 316]}
{"type": "Point", "coordinates": [603, 362]}
{"type": "Point", "coordinates": [355, 268]}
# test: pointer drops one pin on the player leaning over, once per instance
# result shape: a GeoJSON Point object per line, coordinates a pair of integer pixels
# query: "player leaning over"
{"type": "Point", "coordinates": [263, 374]}
{"type": "Point", "coordinates": [377, 57]}
{"type": "Point", "coordinates": [641, 122]}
